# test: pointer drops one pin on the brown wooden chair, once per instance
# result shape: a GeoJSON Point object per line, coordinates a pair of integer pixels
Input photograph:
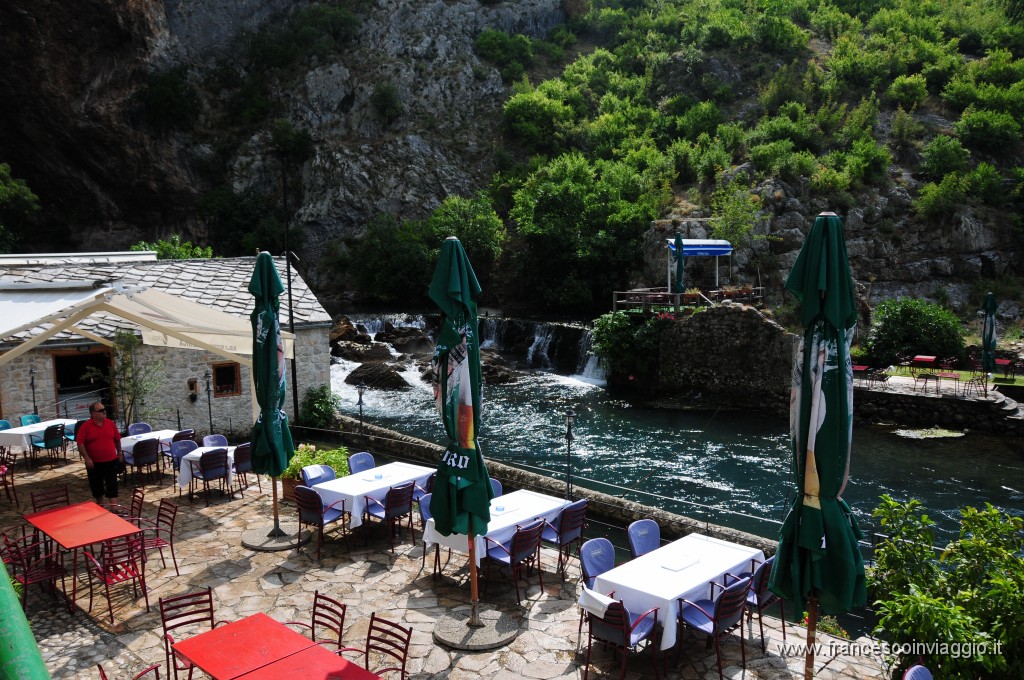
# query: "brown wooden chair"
{"type": "Point", "coordinates": [623, 632]}
{"type": "Point", "coordinates": [397, 504]}
{"type": "Point", "coordinates": [387, 647]}
{"type": "Point", "coordinates": [152, 670]}
{"type": "Point", "coordinates": [329, 615]}
{"type": "Point", "coordinates": [159, 533]}
{"type": "Point", "coordinates": [566, 530]}
{"type": "Point", "coordinates": [120, 560]}
{"type": "Point", "coordinates": [50, 498]}
{"type": "Point", "coordinates": [7, 461]}
{"type": "Point", "coordinates": [130, 512]}
{"type": "Point", "coordinates": [179, 611]}
{"type": "Point", "coordinates": [34, 562]}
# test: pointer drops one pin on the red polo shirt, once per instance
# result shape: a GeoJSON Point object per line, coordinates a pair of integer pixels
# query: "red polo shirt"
{"type": "Point", "coordinates": [100, 440]}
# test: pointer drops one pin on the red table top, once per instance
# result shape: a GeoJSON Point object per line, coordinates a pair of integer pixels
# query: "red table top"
{"type": "Point", "coordinates": [242, 646]}
{"type": "Point", "coordinates": [1002, 362]}
{"type": "Point", "coordinates": [925, 358]}
{"type": "Point", "coordinates": [74, 526]}
{"type": "Point", "coordinates": [312, 662]}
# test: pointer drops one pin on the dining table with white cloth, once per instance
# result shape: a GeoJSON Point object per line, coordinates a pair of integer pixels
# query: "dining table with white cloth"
{"type": "Point", "coordinates": [518, 508]}
{"type": "Point", "coordinates": [375, 483]}
{"type": "Point", "coordinates": [185, 471]}
{"type": "Point", "coordinates": [681, 569]}
{"type": "Point", "coordinates": [22, 436]}
{"type": "Point", "coordinates": [128, 443]}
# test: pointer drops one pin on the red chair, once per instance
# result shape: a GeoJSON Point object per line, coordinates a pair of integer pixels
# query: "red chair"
{"type": "Point", "coordinates": [50, 498]}
{"type": "Point", "coordinates": [178, 611]}
{"type": "Point", "coordinates": [385, 641]}
{"type": "Point", "coordinates": [33, 564]}
{"type": "Point", "coordinates": [397, 504]}
{"type": "Point", "coordinates": [328, 614]}
{"type": "Point", "coordinates": [159, 534]}
{"type": "Point", "coordinates": [7, 460]}
{"type": "Point", "coordinates": [133, 511]}
{"type": "Point", "coordinates": [522, 551]}
{"type": "Point", "coordinates": [154, 670]}
{"type": "Point", "coordinates": [620, 630]}
{"type": "Point", "coordinates": [120, 560]}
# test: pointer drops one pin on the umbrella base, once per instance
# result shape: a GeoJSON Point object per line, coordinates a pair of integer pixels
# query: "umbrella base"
{"type": "Point", "coordinates": [260, 538]}
{"type": "Point", "coordinates": [453, 630]}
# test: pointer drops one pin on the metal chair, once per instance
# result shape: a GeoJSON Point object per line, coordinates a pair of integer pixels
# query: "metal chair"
{"type": "Point", "coordinates": [51, 441]}
{"type": "Point", "coordinates": [7, 461]}
{"type": "Point", "coordinates": [159, 533]}
{"type": "Point", "coordinates": [523, 550]}
{"type": "Point", "coordinates": [568, 529]}
{"type": "Point", "coordinates": [133, 511]}
{"type": "Point", "coordinates": [33, 562]}
{"type": "Point", "coordinates": [428, 487]}
{"type": "Point", "coordinates": [715, 618]}
{"type": "Point", "coordinates": [69, 434]}
{"type": "Point", "coordinates": [424, 504]}
{"type": "Point", "coordinates": [215, 440]}
{"type": "Point", "coordinates": [328, 614]}
{"type": "Point", "coordinates": [30, 419]}
{"type": "Point", "coordinates": [597, 555]}
{"type": "Point", "coordinates": [619, 629]}
{"type": "Point", "coordinates": [154, 670]}
{"type": "Point", "coordinates": [50, 498]}
{"type": "Point", "coordinates": [243, 466]}
{"type": "Point", "coordinates": [317, 474]}
{"type": "Point", "coordinates": [385, 641]}
{"type": "Point", "coordinates": [178, 611]}
{"type": "Point", "coordinates": [644, 536]}
{"type": "Point", "coordinates": [145, 454]}
{"type": "Point", "coordinates": [759, 597]}
{"type": "Point", "coordinates": [139, 428]}
{"type": "Point", "coordinates": [360, 462]}
{"type": "Point", "coordinates": [212, 467]}
{"type": "Point", "coordinates": [313, 512]}
{"type": "Point", "coordinates": [179, 450]}
{"type": "Point", "coordinates": [166, 449]}
{"type": "Point", "coordinates": [397, 504]}
{"type": "Point", "coordinates": [120, 560]}
{"type": "Point", "coordinates": [495, 487]}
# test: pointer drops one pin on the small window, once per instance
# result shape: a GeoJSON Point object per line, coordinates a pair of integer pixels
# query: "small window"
{"type": "Point", "coordinates": [226, 381]}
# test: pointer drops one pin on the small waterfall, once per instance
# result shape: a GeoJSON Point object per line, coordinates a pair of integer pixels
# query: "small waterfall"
{"type": "Point", "coordinates": [492, 333]}
{"type": "Point", "coordinates": [374, 323]}
{"type": "Point", "coordinates": [588, 368]}
{"type": "Point", "coordinates": [537, 355]}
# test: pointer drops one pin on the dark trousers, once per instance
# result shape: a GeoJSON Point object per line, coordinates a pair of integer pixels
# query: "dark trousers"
{"type": "Point", "coordinates": [103, 479]}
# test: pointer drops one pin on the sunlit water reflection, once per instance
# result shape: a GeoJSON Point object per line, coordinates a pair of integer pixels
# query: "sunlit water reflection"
{"type": "Point", "coordinates": [723, 467]}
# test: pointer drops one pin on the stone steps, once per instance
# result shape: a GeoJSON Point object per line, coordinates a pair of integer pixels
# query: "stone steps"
{"type": "Point", "coordinates": [1004, 404]}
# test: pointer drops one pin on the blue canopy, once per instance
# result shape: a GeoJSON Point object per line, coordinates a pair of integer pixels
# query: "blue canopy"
{"type": "Point", "coordinates": [698, 247]}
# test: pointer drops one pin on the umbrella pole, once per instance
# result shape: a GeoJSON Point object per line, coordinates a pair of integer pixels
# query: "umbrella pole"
{"type": "Point", "coordinates": [276, 531]}
{"type": "Point", "coordinates": [812, 629]}
{"type": "Point", "coordinates": [474, 587]}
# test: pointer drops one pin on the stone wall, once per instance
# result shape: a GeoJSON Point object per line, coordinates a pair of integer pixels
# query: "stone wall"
{"type": "Point", "coordinates": [731, 354]}
{"type": "Point", "coordinates": [611, 509]}
{"type": "Point", "coordinates": [932, 410]}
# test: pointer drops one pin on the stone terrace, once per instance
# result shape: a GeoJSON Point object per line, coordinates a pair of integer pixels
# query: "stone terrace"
{"type": "Point", "coordinates": [368, 578]}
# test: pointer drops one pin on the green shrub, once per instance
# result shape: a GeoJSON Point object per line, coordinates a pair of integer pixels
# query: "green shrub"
{"type": "Point", "coordinates": [867, 163]}
{"type": "Point", "coordinates": [629, 349]}
{"type": "Point", "coordinates": [942, 156]}
{"type": "Point", "coordinates": [986, 183]}
{"type": "Point", "coordinates": [701, 118]}
{"type": "Point", "coordinates": [307, 454]}
{"type": "Point", "coordinates": [386, 102]}
{"type": "Point", "coordinates": [904, 131]}
{"type": "Point", "coordinates": [319, 407]}
{"type": "Point", "coordinates": [940, 201]}
{"type": "Point", "coordinates": [905, 327]}
{"type": "Point", "coordinates": [536, 120]}
{"type": "Point", "coordinates": [988, 130]}
{"type": "Point", "coordinates": [908, 91]}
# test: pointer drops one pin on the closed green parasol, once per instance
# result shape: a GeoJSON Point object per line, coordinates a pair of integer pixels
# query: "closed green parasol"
{"type": "Point", "coordinates": [679, 285]}
{"type": "Point", "coordinates": [462, 493]}
{"type": "Point", "coordinates": [988, 335]}
{"type": "Point", "coordinates": [271, 438]}
{"type": "Point", "coordinates": [818, 558]}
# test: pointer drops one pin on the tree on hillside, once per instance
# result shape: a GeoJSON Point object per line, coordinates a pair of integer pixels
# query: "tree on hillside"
{"type": "Point", "coordinates": [17, 202]}
{"type": "Point", "coordinates": [175, 249]}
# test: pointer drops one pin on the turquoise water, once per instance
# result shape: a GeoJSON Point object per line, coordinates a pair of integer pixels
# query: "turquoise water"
{"type": "Point", "coordinates": [723, 467]}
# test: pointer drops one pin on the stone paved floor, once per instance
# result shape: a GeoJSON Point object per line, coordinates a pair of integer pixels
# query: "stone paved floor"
{"type": "Point", "coordinates": [368, 578]}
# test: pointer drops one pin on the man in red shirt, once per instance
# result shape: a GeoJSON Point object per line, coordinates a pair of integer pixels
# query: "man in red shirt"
{"type": "Point", "coordinates": [99, 442]}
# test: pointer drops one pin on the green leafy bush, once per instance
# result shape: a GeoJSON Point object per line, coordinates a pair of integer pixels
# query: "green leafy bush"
{"type": "Point", "coordinates": [536, 120]}
{"type": "Point", "coordinates": [175, 249]}
{"type": "Point", "coordinates": [319, 407]}
{"type": "Point", "coordinates": [307, 454]}
{"type": "Point", "coordinates": [511, 54]}
{"type": "Point", "coordinates": [940, 201]}
{"type": "Point", "coordinates": [986, 183]}
{"type": "Point", "coordinates": [908, 91]}
{"type": "Point", "coordinates": [988, 130]}
{"type": "Point", "coordinates": [905, 327]}
{"type": "Point", "coordinates": [970, 595]}
{"type": "Point", "coordinates": [904, 132]}
{"type": "Point", "coordinates": [627, 349]}
{"type": "Point", "coordinates": [943, 155]}
{"type": "Point", "coordinates": [387, 102]}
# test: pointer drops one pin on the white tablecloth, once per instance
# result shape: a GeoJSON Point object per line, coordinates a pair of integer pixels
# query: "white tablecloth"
{"type": "Point", "coordinates": [128, 443]}
{"type": "Point", "coordinates": [185, 472]}
{"type": "Point", "coordinates": [517, 508]}
{"type": "Point", "coordinates": [682, 568]}
{"type": "Point", "coordinates": [374, 482]}
{"type": "Point", "coordinates": [22, 436]}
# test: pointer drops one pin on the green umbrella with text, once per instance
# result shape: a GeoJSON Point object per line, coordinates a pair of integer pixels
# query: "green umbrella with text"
{"type": "Point", "coordinates": [462, 492]}
{"type": "Point", "coordinates": [271, 439]}
{"type": "Point", "coordinates": [679, 284]}
{"type": "Point", "coordinates": [818, 559]}
{"type": "Point", "coordinates": [988, 335]}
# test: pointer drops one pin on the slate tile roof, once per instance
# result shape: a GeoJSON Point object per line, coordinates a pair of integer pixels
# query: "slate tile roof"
{"type": "Point", "coordinates": [221, 283]}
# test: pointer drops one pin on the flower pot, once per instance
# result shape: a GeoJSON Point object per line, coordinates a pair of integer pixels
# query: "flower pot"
{"type": "Point", "coordinates": [288, 489]}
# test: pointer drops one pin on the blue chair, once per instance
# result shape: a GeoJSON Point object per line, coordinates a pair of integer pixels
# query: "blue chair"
{"type": "Point", "coordinates": [145, 454]}
{"type": "Point", "coordinates": [243, 466]}
{"type": "Point", "coordinates": [179, 450]}
{"type": "Point", "coordinates": [313, 512]}
{"type": "Point", "coordinates": [496, 487]}
{"type": "Point", "coordinates": [360, 462]}
{"type": "Point", "coordinates": [424, 517]}
{"type": "Point", "coordinates": [917, 672]}
{"type": "Point", "coordinates": [644, 536]}
{"type": "Point", "coordinates": [30, 419]}
{"type": "Point", "coordinates": [715, 618]}
{"type": "Point", "coordinates": [69, 432]}
{"type": "Point", "coordinates": [212, 467]}
{"type": "Point", "coordinates": [317, 474]}
{"type": "Point", "coordinates": [522, 551]}
{"type": "Point", "coordinates": [51, 441]}
{"type": "Point", "coordinates": [428, 487]}
{"type": "Point", "coordinates": [567, 529]}
{"type": "Point", "coordinates": [139, 428]}
{"type": "Point", "coordinates": [397, 504]}
{"type": "Point", "coordinates": [597, 555]}
{"type": "Point", "coordinates": [215, 440]}
{"type": "Point", "coordinates": [5, 424]}
{"type": "Point", "coordinates": [622, 631]}
{"type": "Point", "coordinates": [760, 597]}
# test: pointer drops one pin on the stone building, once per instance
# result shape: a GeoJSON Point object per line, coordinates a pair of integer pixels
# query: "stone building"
{"type": "Point", "coordinates": [196, 385]}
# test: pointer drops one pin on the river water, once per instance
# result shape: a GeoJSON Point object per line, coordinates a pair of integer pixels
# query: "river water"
{"type": "Point", "coordinates": [728, 468]}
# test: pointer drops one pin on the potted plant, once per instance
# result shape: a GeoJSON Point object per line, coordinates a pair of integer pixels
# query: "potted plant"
{"type": "Point", "coordinates": [691, 294]}
{"type": "Point", "coordinates": [307, 454]}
